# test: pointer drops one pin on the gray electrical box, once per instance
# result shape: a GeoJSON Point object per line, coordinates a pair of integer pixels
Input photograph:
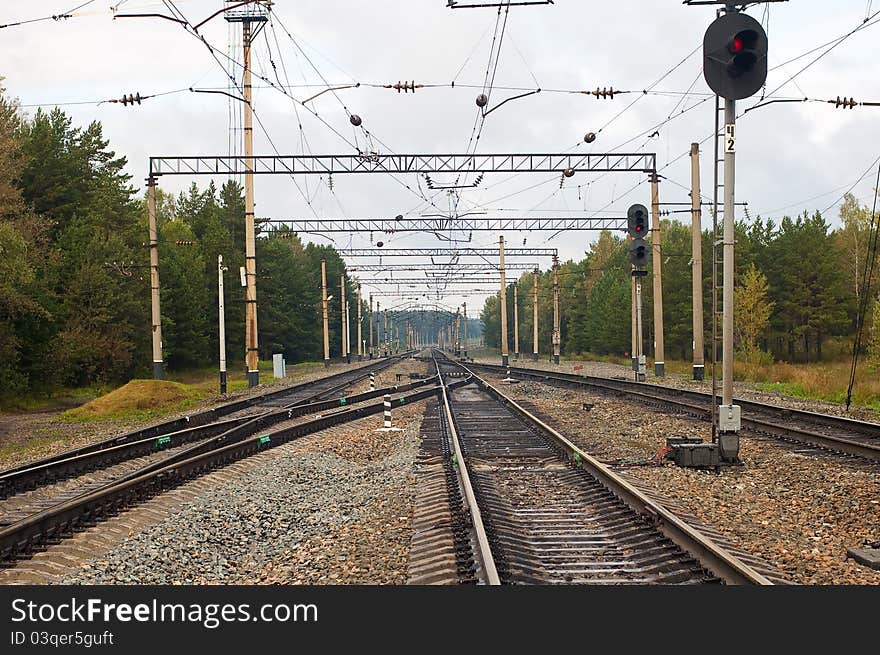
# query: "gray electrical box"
{"type": "Point", "coordinates": [697, 455]}
{"type": "Point", "coordinates": [729, 418]}
{"type": "Point", "coordinates": [279, 366]}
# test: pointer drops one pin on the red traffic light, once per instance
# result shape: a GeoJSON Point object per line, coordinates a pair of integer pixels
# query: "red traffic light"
{"type": "Point", "coordinates": [736, 45]}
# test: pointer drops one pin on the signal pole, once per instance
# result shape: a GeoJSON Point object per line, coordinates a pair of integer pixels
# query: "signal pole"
{"type": "Point", "coordinates": [325, 313]}
{"type": "Point", "coordinates": [221, 318]}
{"type": "Point", "coordinates": [633, 328]}
{"type": "Point", "coordinates": [535, 315]}
{"type": "Point", "coordinates": [156, 314]}
{"type": "Point", "coordinates": [557, 336]}
{"type": "Point", "coordinates": [640, 373]}
{"type": "Point", "coordinates": [697, 262]}
{"type": "Point", "coordinates": [504, 355]}
{"type": "Point", "coordinates": [728, 413]}
{"type": "Point", "coordinates": [659, 364]}
{"type": "Point", "coordinates": [515, 323]}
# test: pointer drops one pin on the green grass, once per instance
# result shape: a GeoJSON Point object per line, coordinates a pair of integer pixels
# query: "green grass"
{"type": "Point", "coordinates": [139, 399]}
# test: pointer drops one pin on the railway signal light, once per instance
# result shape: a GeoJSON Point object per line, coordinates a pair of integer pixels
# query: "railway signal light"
{"type": "Point", "coordinates": [639, 253]}
{"type": "Point", "coordinates": [637, 221]}
{"type": "Point", "coordinates": [735, 56]}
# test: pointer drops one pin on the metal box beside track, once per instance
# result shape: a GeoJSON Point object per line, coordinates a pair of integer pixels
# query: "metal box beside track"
{"type": "Point", "coordinates": [696, 455]}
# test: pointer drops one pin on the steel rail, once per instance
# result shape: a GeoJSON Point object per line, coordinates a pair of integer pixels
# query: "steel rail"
{"type": "Point", "coordinates": [68, 516]}
{"type": "Point", "coordinates": [694, 404]}
{"type": "Point", "coordinates": [206, 417]}
{"type": "Point", "coordinates": [487, 559]}
{"type": "Point", "coordinates": [221, 432]}
{"type": "Point", "coordinates": [711, 556]}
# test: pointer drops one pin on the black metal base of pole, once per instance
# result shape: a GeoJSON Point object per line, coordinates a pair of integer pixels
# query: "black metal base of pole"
{"type": "Point", "coordinates": [222, 381]}
{"type": "Point", "coordinates": [555, 359]}
{"type": "Point", "coordinates": [699, 372]}
{"type": "Point", "coordinates": [516, 357]}
{"type": "Point", "coordinates": [348, 359]}
{"type": "Point", "coordinates": [253, 378]}
{"type": "Point", "coordinates": [505, 360]}
{"type": "Point", "coordinates": [534, 357]}
{"type": "Point", "coordinates": [158, 373]}
{"type": "Point", "coordinates": [659, 369]}
{"type": "Point", "coordinates": [465, 354]}
{"type": "Point", "coordinates": [326, 363]}
{"type": "Point", "coordinates": [635, 364]}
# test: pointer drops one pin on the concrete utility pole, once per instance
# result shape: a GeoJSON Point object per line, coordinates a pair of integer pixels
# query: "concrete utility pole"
{"type": "Point", "coordinates": [155, 313]}
{"type": "Point", "coordinates": [378, 331]}
{"type": "Point", "coordinates": [659, 364]}
{"type": "Point", "coordinates": [221, 319]}
{"type": "Point", "coordinates": [344, 347]}
{"type": "Point", "coordinates": [464, 305]}
{"type": "Point", "coordinates": [252, 345]}
{"type": "Point", "coordinates": [370, 322]}
{"type": "Point", "coordinates": [557, 335]}
{"type": "Point", "coordinates": [360, 352]}
{"type": "Point", "coordinates": [385, 333]}
{"type": "Point", "coordinates": [634, 351]}
{"type": "Point", "coordinates": [504, 354]}
{"type": "Point", "coordinates": [535, 314]}
{"type": "Point", "coordinates": [515, 323]}
{"type": "Point", "coordinates": [697, 262]}
{"type": "Point", "coordinates": [325, 313]}
{"type": "Point", "coordinates": [348, 331]}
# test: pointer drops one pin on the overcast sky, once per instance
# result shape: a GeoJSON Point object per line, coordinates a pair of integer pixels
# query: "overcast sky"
{"type": "Point", "coordinates": [790, 157]}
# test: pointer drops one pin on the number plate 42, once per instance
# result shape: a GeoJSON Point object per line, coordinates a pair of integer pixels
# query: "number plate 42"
{"type": "Point", "coordinates": [730, 137]}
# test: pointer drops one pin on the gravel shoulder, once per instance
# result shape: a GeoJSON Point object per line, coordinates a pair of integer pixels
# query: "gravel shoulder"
{"type": "Point", "coordinates": [796, 511]}
{"type": "Point", "coordinates": [329, 508]}
{"type": "Point", "coordinates": [27, 437]}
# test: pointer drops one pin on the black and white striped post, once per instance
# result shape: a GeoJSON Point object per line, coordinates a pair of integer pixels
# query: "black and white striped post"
{"type": "Point", "coordinates": [372, 381]}
{"type": "Point", "coordinates": [508, 379]}
{"type": "Point", "coordinates": [386, 427]}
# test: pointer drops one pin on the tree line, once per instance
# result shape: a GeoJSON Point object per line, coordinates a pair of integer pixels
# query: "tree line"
{"type": "Point", "coordinates": [797, 286]}
{"type": "Point", "coordinates": [74, 276]}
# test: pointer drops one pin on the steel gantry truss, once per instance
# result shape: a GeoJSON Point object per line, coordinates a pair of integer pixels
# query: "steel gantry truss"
{"type": "Point", "coordinates": [446, 252]}
{"type": "Point", "coordinates": [426, 281]}
{"type": "Point", "coordinates": [441, 268]}
{"type": "Point", "coordinates": [379, 163]}
{"type": "Point", "coordinates": [463, 223]}
{"type": "Point", "coordinates": [566, 164]}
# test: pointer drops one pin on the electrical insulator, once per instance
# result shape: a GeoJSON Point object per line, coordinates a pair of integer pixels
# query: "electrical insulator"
{"type": "Point", "coordinates": [568, 172]}
{"type": "Point", "coordinates": [843, 102]}
{"type": "Point", "coordinates": [379, 244]}
{"type": "Point", "coordinates": [604, 93]}
{"type": "Point", "coordinates": [406, 87]}
{"type": "Point", "coordinates": [129, 99]}
{"type": "Point", "coordinates": [589, 137]}
{"type": "Point", "coordinates": [482, 100]}
{"type": "Point", "coordinates": [355, 120]}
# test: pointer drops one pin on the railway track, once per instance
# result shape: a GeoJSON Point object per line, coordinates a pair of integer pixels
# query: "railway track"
{"type": "Point", "coordinates": [826, 432]}
{"type": "Point", "coordinates": [57, 496]}
{"type": "Point", "coordinates": [540, 510]}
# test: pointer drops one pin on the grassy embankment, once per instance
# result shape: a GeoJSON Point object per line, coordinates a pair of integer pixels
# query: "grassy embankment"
{"type": "Point", "coordinates": [144, 399]}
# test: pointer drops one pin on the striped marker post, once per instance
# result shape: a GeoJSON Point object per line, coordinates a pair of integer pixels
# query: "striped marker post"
{"type": "Point", "coordinates": [372, 381]}
{"type": "Point", "coordinates": [509, 379]}
{"type": "Point", "coordinates": [387, 416]}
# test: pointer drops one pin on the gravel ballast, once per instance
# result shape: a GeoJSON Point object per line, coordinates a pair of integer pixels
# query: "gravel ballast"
{"type": "Point", "coordinates": [793, 509]}
{"type": "Point", "coordinates": [329, 508]}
